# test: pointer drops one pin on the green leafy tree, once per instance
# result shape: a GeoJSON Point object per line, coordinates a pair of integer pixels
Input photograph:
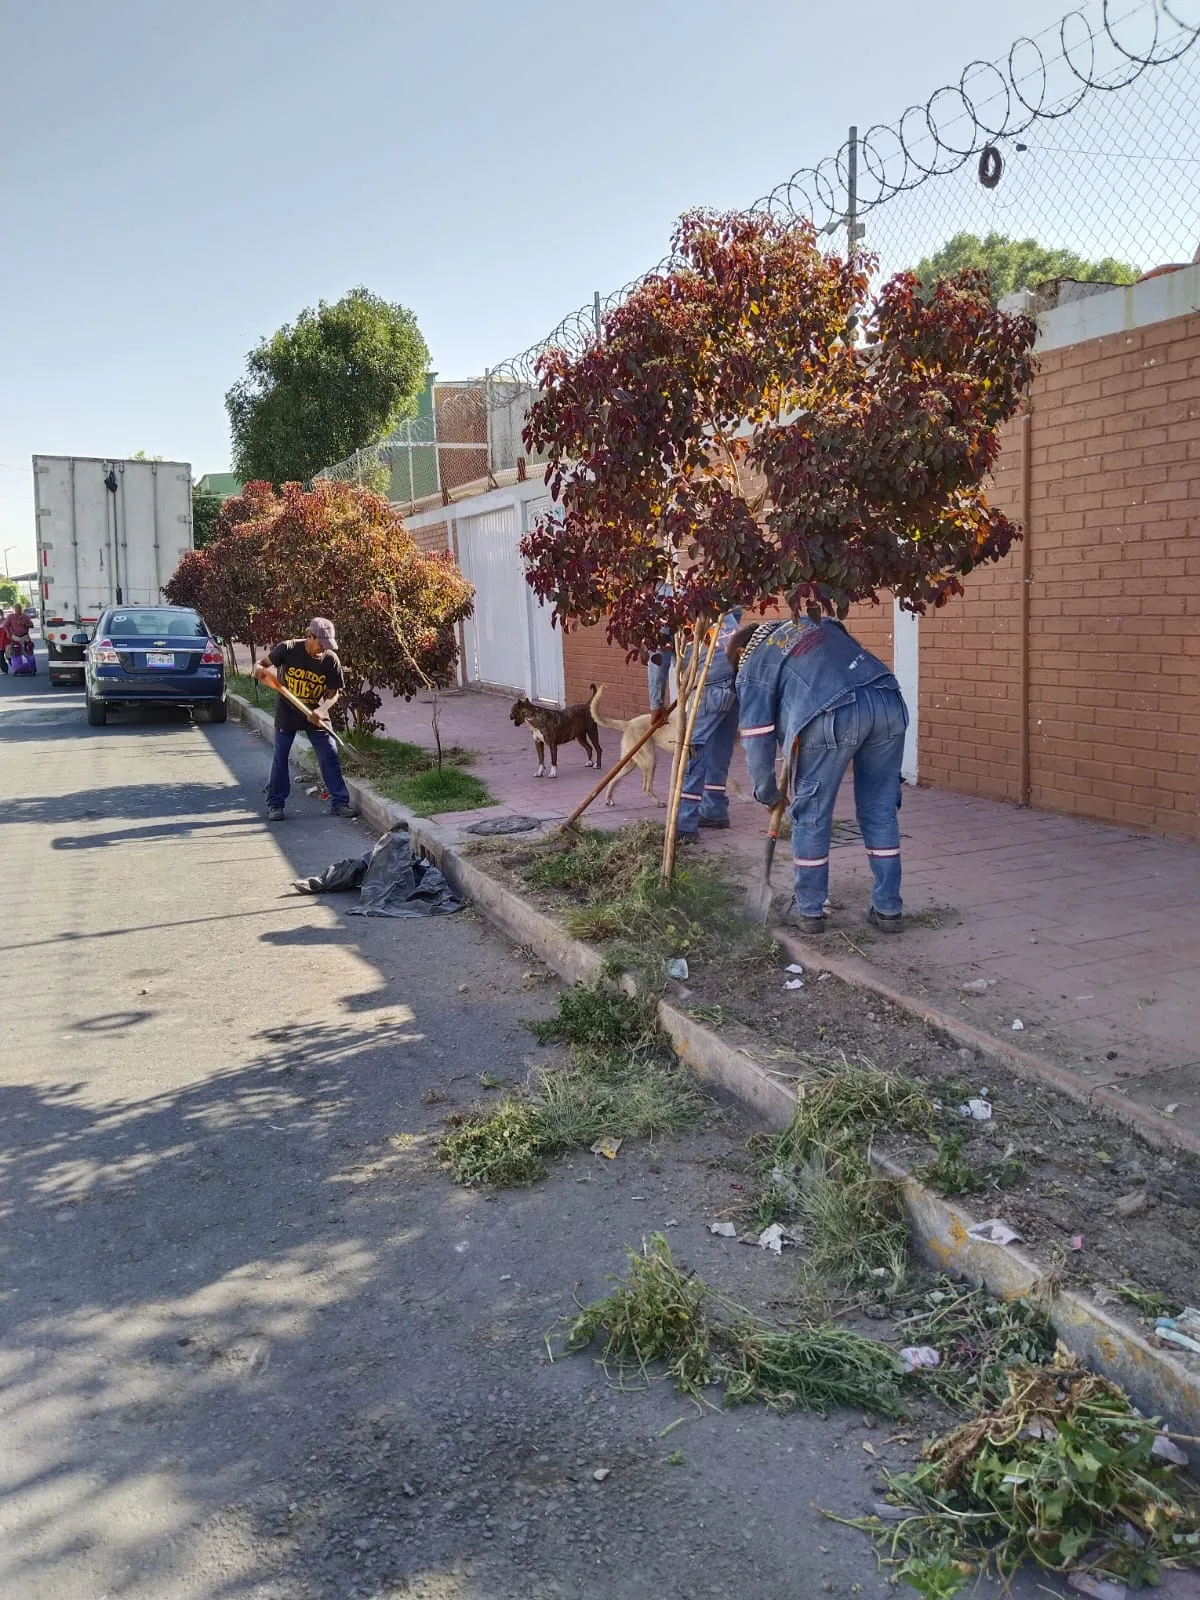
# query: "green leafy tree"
{"type": "Point", "coordinates": [206, 508]}
{"type": "Point", "coordinates": [1017, 263]}
{"type": "Point", "coordinates": [10, 593]}
{"type": "Point", "coordinates": [337, 379]}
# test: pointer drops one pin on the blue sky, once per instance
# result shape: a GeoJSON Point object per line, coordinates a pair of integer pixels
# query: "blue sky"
{"type": "Point", "coordinates": [178, 180]}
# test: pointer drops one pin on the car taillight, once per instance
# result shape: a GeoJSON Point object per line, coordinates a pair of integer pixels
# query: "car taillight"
{"type": "Point", "coordinates": [104, 655]}
{"type": "Point", "coordinates": [212, 654]}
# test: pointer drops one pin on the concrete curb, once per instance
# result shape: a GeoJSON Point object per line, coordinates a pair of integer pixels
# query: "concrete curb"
{"type": "Point", "coordinates": [1159, 1383]}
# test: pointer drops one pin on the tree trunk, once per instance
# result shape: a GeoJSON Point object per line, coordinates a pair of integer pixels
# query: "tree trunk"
{"type": "Point", "coordinates": [436, 720]}
{"type": "Point", "coordinates": [689, 702]}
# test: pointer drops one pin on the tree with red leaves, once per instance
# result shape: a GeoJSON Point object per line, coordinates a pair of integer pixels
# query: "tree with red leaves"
{"type": "Point", "coordinates": [754, 426]}
{"type": "Point", "coordinates": [335, 550]}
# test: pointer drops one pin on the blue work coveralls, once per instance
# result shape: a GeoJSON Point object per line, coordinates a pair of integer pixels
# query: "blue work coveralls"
{"type": "Point", "coordinates": [811, 689]}
{"type": "Point", "coordinates": [713, 738]}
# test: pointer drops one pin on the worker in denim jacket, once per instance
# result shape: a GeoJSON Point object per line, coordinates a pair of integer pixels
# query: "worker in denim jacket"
{"type": "Point", "coordinates": [807, 687]}
{"type": "Point", "coordinates": [705, 801]}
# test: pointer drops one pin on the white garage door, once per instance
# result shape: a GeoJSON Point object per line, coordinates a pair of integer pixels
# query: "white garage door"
{"type": "Point", "coordinates": [510, 643]}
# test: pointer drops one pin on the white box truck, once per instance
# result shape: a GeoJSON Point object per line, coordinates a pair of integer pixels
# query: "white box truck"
{"type": "Point", "coordinates": [109, 533]}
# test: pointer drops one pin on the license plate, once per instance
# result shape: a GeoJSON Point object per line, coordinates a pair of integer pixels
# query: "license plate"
{"type": "Point", "coordinates": [157, 658]}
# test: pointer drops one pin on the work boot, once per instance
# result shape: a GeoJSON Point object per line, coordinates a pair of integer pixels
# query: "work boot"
{"type": "Point", "coordinates": [884, 922]}
{"type": "Point", "coordinates": [342, 811]}
{"type": "Point", "coordinates": [802, 924]}
{"type": "Point", "coordinates": [714, 822]}
{"type": "Point", "coordinates": [274, 813]}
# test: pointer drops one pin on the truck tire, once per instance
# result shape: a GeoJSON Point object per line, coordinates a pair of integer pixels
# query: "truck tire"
{"type": "Point", "coordinates": [97, 713]}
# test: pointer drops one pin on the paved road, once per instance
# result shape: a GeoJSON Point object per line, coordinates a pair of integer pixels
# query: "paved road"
{"type": "Point", "coordinates": [252, 1341]}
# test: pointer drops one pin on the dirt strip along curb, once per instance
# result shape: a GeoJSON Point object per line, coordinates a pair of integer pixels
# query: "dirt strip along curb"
{"type": "Point", "coordinates": [1034, 1069]}
{"type": "Point", "coordinates": [1157, 1382]}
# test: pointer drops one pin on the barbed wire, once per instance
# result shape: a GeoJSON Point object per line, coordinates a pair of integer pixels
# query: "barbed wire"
{"type": "Point", "coordinates": [1044, 78]}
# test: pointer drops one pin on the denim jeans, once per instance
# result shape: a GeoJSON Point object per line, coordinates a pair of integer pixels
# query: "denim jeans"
{"type": "Point", "coordinates": [704, 777]}
{"type": "Point", "coordinates": [327, 760]}
{"type": "Point", "coordinates": [866, 728]}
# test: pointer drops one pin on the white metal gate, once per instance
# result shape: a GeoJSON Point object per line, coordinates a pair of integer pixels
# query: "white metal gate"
{"type": "Point", "coordinates": [545, 640]}
{"type": "Point", "coordinates": [510, 643]}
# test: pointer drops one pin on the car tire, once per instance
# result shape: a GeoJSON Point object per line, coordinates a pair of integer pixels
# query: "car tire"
{"type": "Point", "coordinates": [97, 713]}
{"type": "Point", "coordinates": [218, 711]}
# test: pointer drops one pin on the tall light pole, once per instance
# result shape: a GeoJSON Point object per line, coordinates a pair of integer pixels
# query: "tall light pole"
{"type": "Point", "coordinates": [10, 547]}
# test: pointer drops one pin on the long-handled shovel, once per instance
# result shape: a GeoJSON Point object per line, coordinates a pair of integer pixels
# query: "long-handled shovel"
{"type": "Point", "coordinates": [757, 904]}
{"type": "Point", "coordinates": [271, 679]}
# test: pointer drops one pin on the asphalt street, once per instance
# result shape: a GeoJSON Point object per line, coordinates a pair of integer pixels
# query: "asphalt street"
{"type": "Point", "coordinates": [253, 1341]}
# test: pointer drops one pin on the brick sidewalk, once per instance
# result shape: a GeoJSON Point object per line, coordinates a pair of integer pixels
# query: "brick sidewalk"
{"type": "Point", "coordinates": [1090, 935]}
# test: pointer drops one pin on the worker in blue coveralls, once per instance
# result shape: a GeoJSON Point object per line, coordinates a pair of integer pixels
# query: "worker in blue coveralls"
{"type": "Point", "coordinates": [704, 802]}
{"type": "Point", "coordinates": [807, 687]}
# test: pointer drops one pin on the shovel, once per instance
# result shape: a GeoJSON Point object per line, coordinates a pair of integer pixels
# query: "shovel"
{"type": "Point", "coordinates": [757, 904]}
{"type": "Point", "coordinates": [271, 679]}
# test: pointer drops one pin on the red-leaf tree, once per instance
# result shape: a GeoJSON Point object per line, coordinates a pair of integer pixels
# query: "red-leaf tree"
{"type": "Point", "coordinates": [755, 426]}
{"type": "Point", "coordinates": [336, 550]}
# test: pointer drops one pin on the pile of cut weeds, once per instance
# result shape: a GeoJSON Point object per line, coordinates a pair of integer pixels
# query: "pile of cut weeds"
{"type": "Point", "coordinates": [1062, 1473]}
{"type": "Point", "coordinates": [622, 1082]}
{"type": "Point", "coordinates": [663, 1313]}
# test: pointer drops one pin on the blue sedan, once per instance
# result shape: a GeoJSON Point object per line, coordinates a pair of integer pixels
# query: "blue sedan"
{"type": "Point", "coordinates": [160, 655]}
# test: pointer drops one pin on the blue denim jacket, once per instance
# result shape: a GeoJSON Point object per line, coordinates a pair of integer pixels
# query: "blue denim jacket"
{"type": "Point", "coordinates": [720, 674]}
{"type": "Point", "coordinates": [788, 676]}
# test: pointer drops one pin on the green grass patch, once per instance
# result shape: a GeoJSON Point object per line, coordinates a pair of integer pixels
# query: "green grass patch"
{"type": "Point", "coordinates": [250, 689]}
{"type": "Point", "coordinates": [662, 1313]}
{"type": "Point", "coordinates": [622, 1082]}
{"type": "Point", "coordinates": [610, 883]}
{"type": "Point", "coordinates": [409, 774]}
{"type": "Point", "coordinates": [429, 793]}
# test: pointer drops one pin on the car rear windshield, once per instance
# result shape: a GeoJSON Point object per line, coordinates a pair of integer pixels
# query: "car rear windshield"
{"type": "Point", "coordinates": [156, 625]}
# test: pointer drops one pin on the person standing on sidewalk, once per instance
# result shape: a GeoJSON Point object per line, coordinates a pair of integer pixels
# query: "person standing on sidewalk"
{"type": "Point", "coordinates": [704, 802]}
{"type": "Point", "coordinates": [309, 669]}
{"type": "Point", "coordinates": [808, 687]}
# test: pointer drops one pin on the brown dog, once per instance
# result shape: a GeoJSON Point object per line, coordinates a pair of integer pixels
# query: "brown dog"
{"type": "Point", "coordinates": [631, 730]}
{"type": "Point", "coordinates": [554, 727]}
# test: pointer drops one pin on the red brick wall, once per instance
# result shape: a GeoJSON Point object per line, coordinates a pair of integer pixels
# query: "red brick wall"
{"type": "Point", "coordinates": [1114, 648]}
{"type": "Point", "coordinates": [588, 659]}
{"type": "Point", "coordinates": [872, 626]}
{"type": "Point", "coordinates": [430, 538]}
{"type": "Point", "coordinates": [970, 663]}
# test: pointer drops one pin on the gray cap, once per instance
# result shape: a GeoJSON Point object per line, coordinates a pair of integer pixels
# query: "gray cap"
{"type": "Point", "coordinates": [321, 629]}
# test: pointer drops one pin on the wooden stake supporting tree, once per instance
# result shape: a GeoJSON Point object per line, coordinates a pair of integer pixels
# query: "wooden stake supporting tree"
{"type": "Point", "coordinates": [754, 426]}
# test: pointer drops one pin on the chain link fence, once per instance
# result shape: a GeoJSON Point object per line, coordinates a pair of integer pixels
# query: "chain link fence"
{"type": "Point", "coordinates": [439, 452]}
{"type": "Point", "coordinates": [1083, 138]}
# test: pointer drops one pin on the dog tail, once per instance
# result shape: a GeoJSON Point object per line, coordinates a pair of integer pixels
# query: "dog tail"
{"type": "Point", "coordinates": [597, 716]}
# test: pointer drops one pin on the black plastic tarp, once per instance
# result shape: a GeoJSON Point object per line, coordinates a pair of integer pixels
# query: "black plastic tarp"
{"type": "Point", "coordinates": [393, 881]}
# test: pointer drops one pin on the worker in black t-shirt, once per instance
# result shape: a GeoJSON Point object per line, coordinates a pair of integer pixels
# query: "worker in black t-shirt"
{"type": "Point", "coordinates": [309, 669]}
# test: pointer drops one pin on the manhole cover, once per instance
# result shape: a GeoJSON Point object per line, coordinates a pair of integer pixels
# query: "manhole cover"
{"type": "Point", "coordinates": [493, 825]}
